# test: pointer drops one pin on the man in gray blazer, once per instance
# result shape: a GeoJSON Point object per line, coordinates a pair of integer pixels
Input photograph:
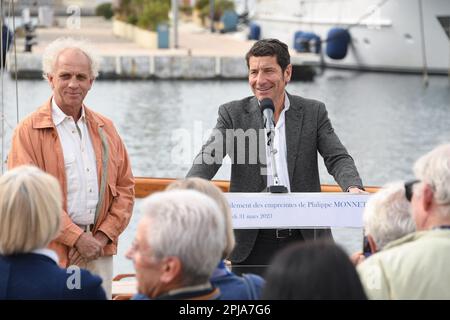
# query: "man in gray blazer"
{"type": "Point", "coordinates": [302, 128]}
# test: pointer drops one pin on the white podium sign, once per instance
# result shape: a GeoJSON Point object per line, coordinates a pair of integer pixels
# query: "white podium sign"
{"type": "Point", "coordinates": [296, 210]}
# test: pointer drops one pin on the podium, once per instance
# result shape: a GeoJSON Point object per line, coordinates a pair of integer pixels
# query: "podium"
{"type": "Point", "coordinates": [296, 210]}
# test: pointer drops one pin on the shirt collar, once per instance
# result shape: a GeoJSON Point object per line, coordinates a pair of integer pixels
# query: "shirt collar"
{"type": "Point", "coordinates": [200, 287]}
{"type": "Point", "coordinates": [287, 103]}
{"type": "Point", "coordinates": [220, 271]}
{"type": "Point", "coordinates": [59, 116]}
{"type": "Point", "coordinates": [48, 253]}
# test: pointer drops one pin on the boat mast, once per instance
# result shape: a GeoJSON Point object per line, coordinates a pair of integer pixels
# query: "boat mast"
{"type": "Point", "coordinates": [175, 23]}
{"type": "Point", "coordinates": [2, 107]}
{"type": "Point", "coordinates": [15, 60]}
{"type": "Point", "coordinates": [424, 54]}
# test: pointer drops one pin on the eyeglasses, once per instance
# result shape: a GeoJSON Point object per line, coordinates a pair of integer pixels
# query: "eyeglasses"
{"type": "Point", "coordinates": [409, 189]}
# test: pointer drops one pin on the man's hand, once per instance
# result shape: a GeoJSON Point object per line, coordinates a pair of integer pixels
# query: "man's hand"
{"type": "Point", "coordinates": [102, 238]}
{"type": "Point", "coordinates": [88, 247]}
{"type": "Point", "coordinates": [75, 258]}
{"type": "Point", "coordinates": [357, 258]}
{"type": "Point", "coordinates": [356, 190]}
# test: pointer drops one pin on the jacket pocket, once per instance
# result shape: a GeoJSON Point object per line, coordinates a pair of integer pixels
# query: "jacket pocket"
{"type": "Point", "coordinates": [113, 190]}
{"type": "Point", "coordinates": [110, 196]}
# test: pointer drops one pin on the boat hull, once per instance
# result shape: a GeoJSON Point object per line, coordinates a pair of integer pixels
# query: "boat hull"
{"type": "Point", "coordinates": [389, 39]}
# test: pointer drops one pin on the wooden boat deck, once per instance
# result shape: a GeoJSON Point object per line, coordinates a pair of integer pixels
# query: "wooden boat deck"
{"type": "Point", "coordinates": [146, 186]}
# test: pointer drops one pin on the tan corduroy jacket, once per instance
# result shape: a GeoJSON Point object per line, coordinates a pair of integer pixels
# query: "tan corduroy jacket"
{"type": "Point", "coordinates": [412, 267]}
{"type": "Point", "coordinates": [36, 142]}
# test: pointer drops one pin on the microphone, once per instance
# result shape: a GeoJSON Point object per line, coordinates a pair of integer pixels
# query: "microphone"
{"type": "Point", "coordinates": [267, 109]}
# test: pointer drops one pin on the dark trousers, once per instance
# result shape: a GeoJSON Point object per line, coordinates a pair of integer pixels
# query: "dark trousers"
{"type": "Point", "coordinates": [267, 244]}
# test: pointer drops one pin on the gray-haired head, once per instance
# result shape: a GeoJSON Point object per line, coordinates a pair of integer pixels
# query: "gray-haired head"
{"type": "Point", "coordinates": [189, 225]}
{"type": "Point", "coordinates": [387, 216]}
{"type": "Point", "coordinates": [55, 48]}
{"type": "Point", "coordinates": [433, 168]}
{"type": "Point", "coordinates": [208, 188]}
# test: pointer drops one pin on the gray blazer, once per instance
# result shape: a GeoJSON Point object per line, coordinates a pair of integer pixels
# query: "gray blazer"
{"type": "Point", "coordinates": [308, 131]}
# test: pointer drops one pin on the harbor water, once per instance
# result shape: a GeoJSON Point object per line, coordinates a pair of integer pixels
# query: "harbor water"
{"type": "Point", "coordinates": [386, 121]}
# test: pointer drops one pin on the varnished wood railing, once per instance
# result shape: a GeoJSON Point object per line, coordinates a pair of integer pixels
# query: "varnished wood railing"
{"type": "Point", "coordinates": [146, 186]}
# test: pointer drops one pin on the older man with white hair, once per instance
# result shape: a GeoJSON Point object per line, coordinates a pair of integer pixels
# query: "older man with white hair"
{"type": "Point", "coordinates": [416, 266]}
{"type": "Point", "coordinates": [178, 243]}
{"type": "Point", "coordinates": [387, 217]}
{"type": "Point", "coordinates": [83, 150]}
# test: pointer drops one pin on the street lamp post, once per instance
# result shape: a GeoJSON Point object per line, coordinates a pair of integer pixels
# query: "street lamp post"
{"type": "Point", "coordinates": [211, 14]}
{"type": "Point", "coordinates": [175, 23]}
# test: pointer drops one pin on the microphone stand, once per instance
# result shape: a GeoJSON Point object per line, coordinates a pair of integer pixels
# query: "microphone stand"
{"type": "Point", "coordinates": [276, 187]}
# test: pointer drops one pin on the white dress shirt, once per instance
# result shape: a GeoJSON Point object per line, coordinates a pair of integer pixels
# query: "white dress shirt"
{"type": "Point", "coordinates": [279, 144]}
{"type": "Point", "coordinates": [48, 253]}
{"type": "Point", "coordinates": [80, 166]}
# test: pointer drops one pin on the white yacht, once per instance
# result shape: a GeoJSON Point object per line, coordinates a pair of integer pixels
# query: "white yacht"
{"type": "Point", "coordinates": [389, 35]}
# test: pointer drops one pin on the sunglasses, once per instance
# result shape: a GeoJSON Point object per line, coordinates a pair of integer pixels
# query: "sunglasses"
{"type": "Point", "coordinates": [409, 189]}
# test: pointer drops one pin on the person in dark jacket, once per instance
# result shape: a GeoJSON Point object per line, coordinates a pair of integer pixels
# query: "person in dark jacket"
{"type": "Point", "coordinates": [318, 270]}
{"type": "Point", "coordinates": [302, 131]}
{"type": "Point", "coordinates": [30, 217]}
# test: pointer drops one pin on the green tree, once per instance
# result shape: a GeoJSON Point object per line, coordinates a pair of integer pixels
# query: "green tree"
{"type": "Point", "coordinates": [147, 14]}
{"type": "Point", "coordinates": [220, 6]}
{"type": "Point", "coordinates": [105, 10]}
{"type": "Point", "coordinates": [153, 13]}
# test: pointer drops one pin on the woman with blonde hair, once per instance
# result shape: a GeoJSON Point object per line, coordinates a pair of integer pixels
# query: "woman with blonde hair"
{"type": "Point", "coordinates": [232, 287]}
{"type": "Point", "coordinates": [30, 217]}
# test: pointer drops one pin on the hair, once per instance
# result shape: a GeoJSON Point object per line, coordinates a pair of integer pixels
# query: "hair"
{"type": "Point", "coordinates": [270, 47]}
{"type": "Point", "coordinates": [310, 271]}
{"type": "Point", "coordinates": [208, 188]}
{"type": "Point", "coordinates": [387, 216]}
{"type": "Point", "coordinates": [30, 210]}
{"type": "Point", "coordinates": [189, 225]}
{"type": "Point", "coordinates": [55, 48]}
{"type": "Point", "coordinates": [434, 168]}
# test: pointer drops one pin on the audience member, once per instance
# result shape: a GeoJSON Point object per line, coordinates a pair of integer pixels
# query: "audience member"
{"type": "Point", "coordinates": [387, 217]}
{"type": "Point", "coordinates": [232, 286]}
{"type": "Point", "coordinates": [178, 243]}
{"type": "Point", "coordinates": [416, 266]}
{"type": "Point", "coordinates": [30, 217]}
{"type": "Point", "coordinates": [312, 271]}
